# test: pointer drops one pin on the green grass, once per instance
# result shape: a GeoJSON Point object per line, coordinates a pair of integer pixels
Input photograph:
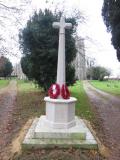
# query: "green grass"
{"type": "Point", "coordinates": [3, 83]}
{"type": "Point", "coordinates": [27, 86]}
{"type": "Point", "coordinates": [111, 86]}
{"type": "Point", "coordinates": [83, 108]}
{"type": "Point", "coordinates": [29, 102]}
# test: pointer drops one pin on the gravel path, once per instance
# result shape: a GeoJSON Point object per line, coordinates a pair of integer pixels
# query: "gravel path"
{"type": "Point", "coordinates": [7, 106]}
{"type": "Point", "coordinates": [107, 110]}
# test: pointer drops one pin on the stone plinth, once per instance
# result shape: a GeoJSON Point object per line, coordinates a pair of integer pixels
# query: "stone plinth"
{"type": "Point", "coordinates": [59, 127]}
{"type": "Point", "coordinates": [41, 136]}
{"type": "Point", "coordinates": [60, 113]}
{"type": "Point", "coordinates": [44, 132]}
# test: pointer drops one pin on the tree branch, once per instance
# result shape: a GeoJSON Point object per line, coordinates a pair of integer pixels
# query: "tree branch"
{"type": "Point", "coordinates": [9, 8]}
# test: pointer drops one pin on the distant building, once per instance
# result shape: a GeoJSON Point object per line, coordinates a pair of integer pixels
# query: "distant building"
{"type": "Point", "coordinates": [80, 60]}
{"type": "Point", "coordinates": [17, 71]}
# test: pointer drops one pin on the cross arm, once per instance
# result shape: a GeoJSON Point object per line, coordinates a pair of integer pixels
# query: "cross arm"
{"type": "Point", "coordinates": [56, 24]}
{"type": "Point", "coordinates": [68, 25]}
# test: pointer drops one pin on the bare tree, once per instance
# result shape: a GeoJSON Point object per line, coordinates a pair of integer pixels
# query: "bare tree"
{"type": "Point", "coordinates": [11, 17]}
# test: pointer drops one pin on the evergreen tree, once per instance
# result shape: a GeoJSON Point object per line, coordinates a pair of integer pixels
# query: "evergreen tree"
{"type": "Point", "coordinates": [39, 42]}
{"type": "Point", "coordinates": [5, 67]}
{"type": "Point", "coordinates": [97, 73]}
{"type": "Point", "coordinates": [111, 16]}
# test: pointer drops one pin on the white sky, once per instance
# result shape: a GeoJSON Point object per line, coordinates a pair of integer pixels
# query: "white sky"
{"type": "Point", "coordinates": [100, 48]}
{"type": "Point", "coordinates": [103, 51]}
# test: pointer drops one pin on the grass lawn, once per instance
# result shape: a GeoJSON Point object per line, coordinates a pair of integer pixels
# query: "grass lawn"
{"type": "Point", "coordinates": [111, 86]}
{"type": "Point", "coordinates": [3, 83]}
{"type": "Point", "coordinates": [30, 99]}
{"type": "Point", "coordinates": [83, 108]}
{"type": "Point", "coordinates": [27, 86]}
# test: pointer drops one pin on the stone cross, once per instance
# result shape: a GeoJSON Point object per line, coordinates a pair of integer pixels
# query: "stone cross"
{"type": "Point", "coordinates": [61, 78]}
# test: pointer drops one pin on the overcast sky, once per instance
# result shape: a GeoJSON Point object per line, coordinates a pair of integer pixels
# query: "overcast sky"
{"type": "Point", "coordinates": [100, 47]}
{"type": "Point", "coordinates": [103, 51]}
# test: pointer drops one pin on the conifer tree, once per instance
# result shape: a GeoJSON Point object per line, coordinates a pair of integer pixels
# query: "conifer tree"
{"type": "Point", "coordinates": [39, 43]}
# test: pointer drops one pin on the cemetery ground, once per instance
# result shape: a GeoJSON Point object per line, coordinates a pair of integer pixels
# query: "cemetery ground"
{"type": "Point", "coordinates": [107, 110]}
{"type": "Point", "coordinates": [3, 83]}
{"type": "Point", "coordinates": [20, 103]}
{"type": "Point", "coordinates": [111, 86]}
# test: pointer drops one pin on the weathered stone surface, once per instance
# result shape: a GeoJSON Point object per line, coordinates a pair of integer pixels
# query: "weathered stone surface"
{"type": "Point", "coordinates": [60, 113]}
{"type": "Point", "coordinates": [32, 141]}
{"type": "Point", "coordinates": [76, 132]}
{"type": "Point", "coordinates": [61, 77]}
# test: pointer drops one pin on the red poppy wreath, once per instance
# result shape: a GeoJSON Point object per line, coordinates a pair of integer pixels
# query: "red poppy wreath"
{"type": "Point", "coordinates": [54, 91]}
{"type": "Point", "coordinates": [65, 92]}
